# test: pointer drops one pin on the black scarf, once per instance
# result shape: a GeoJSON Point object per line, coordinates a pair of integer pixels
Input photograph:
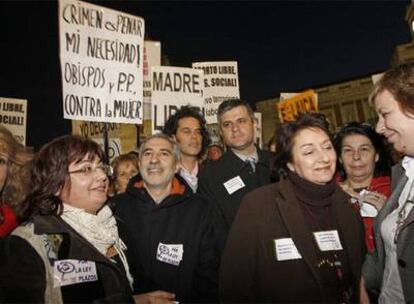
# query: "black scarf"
{"type": "Point", "coordinates": [311, 193]}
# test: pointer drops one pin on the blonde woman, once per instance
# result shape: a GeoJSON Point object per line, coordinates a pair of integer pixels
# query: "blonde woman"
{"type": "Point", "coordinates": [13, 179]}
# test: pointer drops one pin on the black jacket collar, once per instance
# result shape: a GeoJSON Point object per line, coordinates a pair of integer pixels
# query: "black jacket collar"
{"type": "Point", "coordinates": [142, 194]}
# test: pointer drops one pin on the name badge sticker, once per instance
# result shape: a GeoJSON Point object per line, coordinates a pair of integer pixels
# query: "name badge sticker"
{"type": "Point", "coordinates": [234, 184]}
{"type": "Point", "coordinates": [328, 240]}
{"type": "Point", "coordinates": [68, 272]}
{"type": "Point", "coordinates": [170, 253]}
{"type": "Point", "coordinates": [286, 250]}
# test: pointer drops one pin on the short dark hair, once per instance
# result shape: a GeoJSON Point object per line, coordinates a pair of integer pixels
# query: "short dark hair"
{"type": "Point", "coordinates": [286, 134]}
{"type": "Point", "coordinates": [230, 104]}
{"type": "Point", "coordinates": [171, 125]}
{"type": "Point", "coordinates": [49, 173]}
{"type": "Point", "coordinates": [383, 165]}
{"type": "Point", "coordinates": [399, 81]}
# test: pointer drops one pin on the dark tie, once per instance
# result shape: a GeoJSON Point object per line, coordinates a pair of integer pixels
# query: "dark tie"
{"type": "Point", "coordinates": [252, 163]}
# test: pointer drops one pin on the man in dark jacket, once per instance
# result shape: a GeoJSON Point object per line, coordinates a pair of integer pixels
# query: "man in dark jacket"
{"type": "Point", "coordinates": [242, 168]}
{"type": "Point", "coordinates": [167, 228]}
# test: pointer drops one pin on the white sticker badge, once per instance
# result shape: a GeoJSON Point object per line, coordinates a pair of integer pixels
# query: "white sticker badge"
{"type": "Point", "coordinates": [170, 253]}
{"type": "Point", "coordinates": [328, 240]}
{"type": "Point", "coordinates": [234, 184]}
{"type": "Point", "coordinates": [68, 272]}
{"type": "Point", "coordinates": [286, 250]}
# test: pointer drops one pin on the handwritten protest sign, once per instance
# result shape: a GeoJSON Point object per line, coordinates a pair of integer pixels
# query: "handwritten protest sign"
{"type": "Point", "coordinates": [173, 87]}
{"type": "Point", "coordinates": [13, 114]}
{"type": "Point", "coordinates": [101, 54]}
{"type": "Point", "coordinates": [152, 57]}
{"type": "Point", "coordinates": [290, 108]}
{"type": "Point", "coordinates": [221, 82]}
{"type": "Point", "coordinates": [122, 138]}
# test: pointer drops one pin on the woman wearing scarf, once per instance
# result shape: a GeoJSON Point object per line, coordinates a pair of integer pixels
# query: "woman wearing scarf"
{"type": "Point", "coordinates": [67, 250]}
{"type": "Point", "coordinates": [298, 240]}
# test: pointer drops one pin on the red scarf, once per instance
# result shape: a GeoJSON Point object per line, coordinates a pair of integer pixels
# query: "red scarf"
{"type": "Point", "coordinates": [9, 221]}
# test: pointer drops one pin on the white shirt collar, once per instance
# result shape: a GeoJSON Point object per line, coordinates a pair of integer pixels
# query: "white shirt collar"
{"type": "Point", "coordinates": [194, 172]}
{"type": "Point", "coordinates": [408, 165]}
{"type": "Point", "coordinates": [243, 157]}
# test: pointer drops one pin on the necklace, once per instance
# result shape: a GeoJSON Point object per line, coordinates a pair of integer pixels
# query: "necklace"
{"type": "Point", "coordinates": [361, 186]}
{"type": "Point", "coordinates": [403, 212]}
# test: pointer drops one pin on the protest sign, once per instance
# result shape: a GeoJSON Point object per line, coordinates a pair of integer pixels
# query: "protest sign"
{"type": "Point", "coordinates": [221, 82]}
{"type": "Point", "coordinates": [258, 132]}
{"type": "Point", "coordinates": [13, 113]}
{"type": "Point", "coordinates": [122, 138]}
{"type": "Point", "coordinates": [289, 108]}
{"type": "Point", "coordinates": [172, 88]}
{"type": "Point", "coordinates": [152, 57]}
{"type": "Point", "coordinates": [214, 132]}
{"type": "Point", "coordinates": [101, 54]}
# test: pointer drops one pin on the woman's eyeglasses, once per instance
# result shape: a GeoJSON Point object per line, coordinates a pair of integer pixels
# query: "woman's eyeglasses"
{"type": "Point", "coordinates": [89, 170]}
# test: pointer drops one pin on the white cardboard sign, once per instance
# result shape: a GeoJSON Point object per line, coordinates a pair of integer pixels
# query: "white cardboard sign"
{"type": "Point", "coordinates": [101, 55]}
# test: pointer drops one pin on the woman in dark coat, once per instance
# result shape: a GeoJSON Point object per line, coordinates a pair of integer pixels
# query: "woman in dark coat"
{"type": "Point", "coordinates": [298, 240]}
{"type": "Point", "coordinates": [68, 249]}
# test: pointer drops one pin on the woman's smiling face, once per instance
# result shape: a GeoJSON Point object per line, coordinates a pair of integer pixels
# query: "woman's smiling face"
{"type": "Point", "coordinates": [313, 156]}
{"type": "Point", "coordinates": [395, 125]}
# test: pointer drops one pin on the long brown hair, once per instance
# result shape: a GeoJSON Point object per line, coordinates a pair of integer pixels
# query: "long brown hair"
{"type": "Point", "coordinates": [17, 181]}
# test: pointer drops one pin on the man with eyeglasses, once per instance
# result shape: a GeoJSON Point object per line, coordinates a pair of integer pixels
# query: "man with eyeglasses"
{"type": "Point", "coordinates": [242, 168]}
{"type": "Point", "coordinates": [188, 127]}
{"type": "Point", "coordinates": [167, 228]}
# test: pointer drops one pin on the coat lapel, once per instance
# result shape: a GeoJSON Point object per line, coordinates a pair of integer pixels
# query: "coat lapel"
{"type": "Point", "coordinates": [410, 216]}
{"type": "Point", "coordinates": [79, 248]}
{"type": "Point", "coordinates": [295, 223]}
{"type": "Point", "coordinates": [387, 209]}
{"type": "Point", "coordinates": [405, 233]}
{"type": "Point", "coordinates": [393, 199]}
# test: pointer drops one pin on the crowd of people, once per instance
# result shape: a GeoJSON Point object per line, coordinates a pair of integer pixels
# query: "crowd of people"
{"type": "Point", "coordinates": [316, 218]}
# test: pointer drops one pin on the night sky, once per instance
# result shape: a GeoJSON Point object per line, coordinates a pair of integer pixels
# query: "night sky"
{"type": "Point", "coordinates": [280, 46]}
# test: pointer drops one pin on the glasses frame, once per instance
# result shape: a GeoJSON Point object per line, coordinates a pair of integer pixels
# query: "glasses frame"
{"type": "Point", "coordinates": [106, 169]}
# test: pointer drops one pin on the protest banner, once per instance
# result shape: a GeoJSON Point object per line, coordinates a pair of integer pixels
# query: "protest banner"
{"type": "Point", "coordinates": [289, 108]}
{"type": "Point", "coordinates": [221, 82]}
{"type": "Point", "coordinates": [172, 88]}
{"type": "Point", "coordinates": [101, 54]}
{"type": "Point", "coordinates": [258, 131]}
{"type": "Point", "coordinates": [152, 57]}
{"type": "Point", "coordinates": [13, 115]}
{"type": "Point", "coordinates": [122, 138]}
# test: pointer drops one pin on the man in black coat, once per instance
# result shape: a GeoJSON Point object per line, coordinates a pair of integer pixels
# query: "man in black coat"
{"type": "Point", "coordinates": [167, 228]}
{"type": "Point", "coordinates": [242, 168]}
